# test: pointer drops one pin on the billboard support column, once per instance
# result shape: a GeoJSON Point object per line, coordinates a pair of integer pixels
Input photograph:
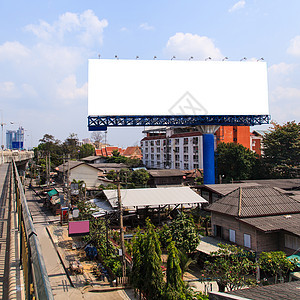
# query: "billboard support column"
{"type": "Point", "coordinates": [209, 153]}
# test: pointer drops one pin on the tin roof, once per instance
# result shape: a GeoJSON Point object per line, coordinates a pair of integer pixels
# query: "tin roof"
{"type": "Point", "coordinates": [166, 173]}
{"type": "Point", "coordinates": [255, 201]}
{"type": "Point", "coordinates": [288, 222]}
{"type": "Point", "coordinates": [281, 291]}
{"type": "Point", "coordinates": [154, 197]}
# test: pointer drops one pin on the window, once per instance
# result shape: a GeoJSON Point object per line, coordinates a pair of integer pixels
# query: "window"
{"type": "Point", "coordinates": [177, 165]}
{"type": "Point", "coordinates": [146, 156]}
{"type": "Point", "coordinates": [146, 149]}
{"type": "Point", "coordinates": [164, 142]}
{"type": "Point", "coordinates": [141, 144]}
{"type": "Point", "coordinates": [177, 157]}
{"type": "Point", "coordinates": [196, 166]}
{"type": "Point", "coordinates": [152, 150]}
{"type": "Point", "coordinates": [232, 235]}
{"type": "Point", "coordinates": [146, 143]}
{"type": "Point", "coordinates": [186, 166]}
{"type": "Point", "coordinates": [195, 140]}
{"type": "Point", "coordinates": [158, 143]}
{"type": "Point", "coordinates": [195, 149]}
{"type": "Point", "coordinates": [158, 156]}
{"type": "Point", "coordinates": [195, 158]}
{"type": "Point", "coordinates": [247, 240]}
{"type": "Point", "coordinates": [185, 141]}
{"type": "Point", "coordinates": [291, 242]}
{"type": "Point", "coordinates": [152, 156]}
{"type": "Point", "coordinates": [152, 163]}
{"type": "Point", "coordinates": [185, 157]}
{"type": "Point", "coordinates": [177, 149]}
{"type": "Point", "coordinates": [185, 149]}
{"type": "Point", "coordinates": [176, 141]}
{"type": "Point", "coordinates": [152, 143]}
{"type": "Point", "coordinates": [158, 149]}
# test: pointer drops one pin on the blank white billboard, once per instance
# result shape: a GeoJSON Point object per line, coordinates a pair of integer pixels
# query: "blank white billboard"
{"type": "Point", "coordinates": [174, 87]}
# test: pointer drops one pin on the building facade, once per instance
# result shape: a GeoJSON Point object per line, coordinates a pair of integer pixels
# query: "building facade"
{"type": "Point", "coordinates": [15, 139]}
{"type": "Point", "coordinates": [172, 148]}
{"type": "Point", "coordinates": [182, 147]}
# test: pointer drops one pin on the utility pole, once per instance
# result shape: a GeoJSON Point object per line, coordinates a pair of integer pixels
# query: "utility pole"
{"type": "Point", "coordinates": [121, 226]}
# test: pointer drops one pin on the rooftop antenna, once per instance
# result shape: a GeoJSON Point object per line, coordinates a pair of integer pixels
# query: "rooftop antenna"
{"type": "Point", "coordinates": [261, 59]}
{"type": "Point", "coordinates": [137, 57]}
{"type": "Point", "coordinates": [191, 58]}
{"type": "Point", "coordinates": [99, 56]}
{"type": "Point", "coordinates": [173, 57]}
{"type": "Point", "coordinates": [154, 57]}
{"type": "Point", "coordinates": [244, 58]}
{"type": "Point", "coordinates": [208, 58]}
{"type": "Point", "coordinates": [116, 56]}
{"type": "Point", "coordinates": [225, 58]}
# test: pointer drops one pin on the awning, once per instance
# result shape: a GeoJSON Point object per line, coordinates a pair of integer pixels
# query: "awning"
{"type": "Point", "coordinates": [154, 197]}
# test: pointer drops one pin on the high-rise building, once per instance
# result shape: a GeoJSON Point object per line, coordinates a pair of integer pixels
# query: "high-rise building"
{"type": "Point", "coordinates": [15, 139]}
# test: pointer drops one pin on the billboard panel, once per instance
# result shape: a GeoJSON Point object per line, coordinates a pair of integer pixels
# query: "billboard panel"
{"type": "Point", "coordinates": [174, 87]}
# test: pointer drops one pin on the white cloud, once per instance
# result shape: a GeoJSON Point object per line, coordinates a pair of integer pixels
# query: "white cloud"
{"type": "Point", "coordinates": [281, 68]}
{"type": "Point", "coordinates": [294, 48]}
{"type": "Point", "coordinates": [87, 26]}
{"type": "Point", "coordinates": [184, 45]}
{"type": "Point", "coordinates": [68, 90]}
{"type": "Point", "coordinates": [146, 26]}
{"type": "Point", "coordinates": [239, 5]}
{"type": "Point", "coordinates": [285, 93]}
{"type": "Point", "coordinates": [124, 29]}
{"type": "Point", "coordinates": [8, 90]}
{"type": "Point", "coordinates": [13, 51]}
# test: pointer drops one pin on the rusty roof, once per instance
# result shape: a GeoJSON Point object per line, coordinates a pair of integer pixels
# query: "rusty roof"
{"type": "Point", "coordinates": [255, 201]}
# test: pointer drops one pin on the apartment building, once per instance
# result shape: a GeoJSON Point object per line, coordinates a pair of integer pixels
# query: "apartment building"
{"type": "Point", "coordinates": [181, 147]}
{"type": "Point", "coordinates": [172, 148]}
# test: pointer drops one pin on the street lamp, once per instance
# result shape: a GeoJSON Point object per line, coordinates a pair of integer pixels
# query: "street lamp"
{"type": "Point", "coordinates": [2, 145]}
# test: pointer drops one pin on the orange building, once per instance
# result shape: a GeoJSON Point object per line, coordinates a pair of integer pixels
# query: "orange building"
{"type": "Point", "coordinates": [234, 134]}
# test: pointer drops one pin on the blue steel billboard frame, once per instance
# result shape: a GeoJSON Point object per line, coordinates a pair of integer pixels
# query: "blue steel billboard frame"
{"type": "Point", "coordinates": [100, 123]}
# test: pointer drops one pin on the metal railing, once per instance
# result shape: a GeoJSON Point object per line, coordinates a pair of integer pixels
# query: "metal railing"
{"type": "Point", "coordinates": [36, 280]}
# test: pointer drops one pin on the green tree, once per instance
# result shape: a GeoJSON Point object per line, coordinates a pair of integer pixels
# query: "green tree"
{"type": "Point", "coordinates": [235, 162]}
{"type": "Point", "coordinates": [70, 145]}
{"type": "Point", "coordinates": [230, 267]}
{"type": "Point", "coordinates": [175, 287]}
{"type": "Point", "coordinates": [184, 233]}
{"type": "Point", "coordinates": [140, 177]}
{"type": "Point", "coordinates": [282, 149]}
{"type": "Point", "coordinates": [147, 274]}
{"type": "Point", "coordinates": [86, 150]}
{"type": "Point", "coordinates": [276, 263]}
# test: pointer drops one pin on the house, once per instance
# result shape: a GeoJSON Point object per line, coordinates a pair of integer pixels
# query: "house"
{"type": "Point", "coordinates": [282, 291]}
{"type": "Point", "coordinates": [259, 218]}
{"type": "Point", "coordinates": [165, 177]}
{"type": "Point", "coordinates": [108, 151]}
{"type": "Point", "coordinates": [133, 152]}
{"type": "Point", "coordinates": [81, 171]}
{"type": "Point", "coordinates": [93, 159]}
{"type": "Point", "coordinates": [106, 167]}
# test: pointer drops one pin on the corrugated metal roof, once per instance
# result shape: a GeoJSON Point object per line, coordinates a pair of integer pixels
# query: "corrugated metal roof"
{"type": "Point", "coordinates": [255, 201]}
{"type": "Point", "coordinates": [226, 188]}
{"type": "Point", "coordinates": [290, 223]}
{"type": "Point", "coordinates": [166, 173]}
{"type": "Point", "coordinates": [154, 196]}
{"type": "Point", "coordinates": [280, 183]}
{"type": "Point", "coordinates": [281, 291]}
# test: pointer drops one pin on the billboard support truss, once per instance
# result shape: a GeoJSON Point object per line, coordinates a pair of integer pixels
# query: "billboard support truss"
{"type": "Point", "coordinates": [100, 123]}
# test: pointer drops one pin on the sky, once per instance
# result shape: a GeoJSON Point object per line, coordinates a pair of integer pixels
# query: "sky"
{"type": "Point", "coordinates": [45, 47]}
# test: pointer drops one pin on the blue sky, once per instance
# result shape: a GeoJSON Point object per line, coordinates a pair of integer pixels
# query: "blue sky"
{"type": "Point", "coordinates": [45, 45]}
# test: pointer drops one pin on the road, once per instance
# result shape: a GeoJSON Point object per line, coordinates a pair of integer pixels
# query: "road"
{"type": "Point", "coordinates": [59, 281]}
